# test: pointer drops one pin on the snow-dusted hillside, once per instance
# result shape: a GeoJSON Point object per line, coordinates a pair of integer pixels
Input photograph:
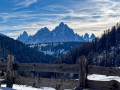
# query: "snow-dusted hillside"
{"type": "Point", "coordinates": [111, 57]}
{"type": "Point", "coordinates": [55, 49]}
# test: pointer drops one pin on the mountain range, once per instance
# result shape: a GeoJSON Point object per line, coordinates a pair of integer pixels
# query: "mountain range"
{"type": "Point", "coordinates": [62, 33]}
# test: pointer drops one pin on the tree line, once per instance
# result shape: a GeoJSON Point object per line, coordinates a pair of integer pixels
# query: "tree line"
{"type": "Point", "coordinates": [103, 51]}
{"type": "Point", "coordinates": [22, 53]}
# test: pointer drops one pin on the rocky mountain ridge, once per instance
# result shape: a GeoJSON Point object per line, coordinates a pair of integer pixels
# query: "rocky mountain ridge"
{"type": "Point", "coordinates": [62, 33]}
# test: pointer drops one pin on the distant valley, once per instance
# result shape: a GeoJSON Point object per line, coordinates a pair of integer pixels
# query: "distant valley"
{"type": "Point", "coordinates": [55, 49]}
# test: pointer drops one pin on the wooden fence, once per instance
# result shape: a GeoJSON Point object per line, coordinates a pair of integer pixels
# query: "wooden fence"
{"type": "Point", "coordinates": [82, 69]}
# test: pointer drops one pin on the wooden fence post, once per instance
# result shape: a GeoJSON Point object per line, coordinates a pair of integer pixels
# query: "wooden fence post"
{"type": "Point", "coordinates": [10, 71]}
{"type": "Point", "coordinates": [82, 72]}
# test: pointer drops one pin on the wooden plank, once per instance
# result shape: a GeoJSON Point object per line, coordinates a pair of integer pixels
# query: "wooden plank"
{"type": "Point", "coordinates": [82, 71]}
{"type": "Point", "coordinates": [104, 85]}
{"type": "Point", "coordinates": [109, 71]}
{"type": "Point", "coordinates": [59, 84]}
{"type": "Point", "coordinates": [60, 68]}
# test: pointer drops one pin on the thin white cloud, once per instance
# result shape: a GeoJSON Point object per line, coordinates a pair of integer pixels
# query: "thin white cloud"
{"type": "Point", "coordinates": [25, 3]}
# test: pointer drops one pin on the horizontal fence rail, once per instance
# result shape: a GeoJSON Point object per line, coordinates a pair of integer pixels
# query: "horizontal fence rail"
{"type": "Point", "coordinates": [109, 71]}
{"type": "Point", "coordinates": [63, 68]}
{"type": "Point", "coordinates": [41, 67]}
{"type": "Point", "coordinates": [60, 68]}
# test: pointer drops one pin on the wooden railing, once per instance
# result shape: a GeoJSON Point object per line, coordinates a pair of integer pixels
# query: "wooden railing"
{"type": "Point", "coordinates": [61, 83]}
{"type": "Point", "coordinates": [85, 69]}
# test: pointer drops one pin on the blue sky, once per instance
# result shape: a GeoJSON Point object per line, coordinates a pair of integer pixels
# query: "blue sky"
{"type": "Point", "coordinates": [91, 16]}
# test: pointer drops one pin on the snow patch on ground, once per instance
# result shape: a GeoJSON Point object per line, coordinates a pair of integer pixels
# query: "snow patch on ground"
{"type": "Point", "coordinates": [24, 87]}
{"type": "Point", "coordinates": [95, 77]}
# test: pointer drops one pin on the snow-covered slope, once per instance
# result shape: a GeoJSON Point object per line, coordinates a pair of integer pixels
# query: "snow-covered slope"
{"type": "Point", "coordinates": [55, 49]}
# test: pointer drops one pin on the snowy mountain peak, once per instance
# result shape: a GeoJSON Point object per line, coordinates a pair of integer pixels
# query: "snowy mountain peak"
{"type": "Point", "coordinates": [86, 36]}
{"type": "Point", "coordinates": [45, 29]}
{"type": "Point", "coordinates": [92, 36]}
{"type": "Point", "coordinates": [25, 33]}
{"type": "Point", "coordinates": [23, 37]}
{"type": "Point", "coordinates": [61, 24]}
{"type": "Point", "coordinates": [42, 31]}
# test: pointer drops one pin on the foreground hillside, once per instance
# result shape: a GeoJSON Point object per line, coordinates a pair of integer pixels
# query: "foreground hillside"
{"type": "Point", "coordinates": [104, 51]}
{"type": "Point", "coordinates": [22, 52]}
